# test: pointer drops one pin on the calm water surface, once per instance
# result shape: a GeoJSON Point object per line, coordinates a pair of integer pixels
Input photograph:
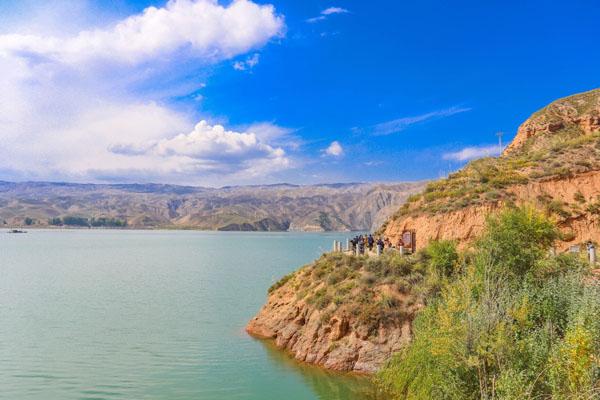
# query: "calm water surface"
{"type": "Point", "coordinates": [150, 315]}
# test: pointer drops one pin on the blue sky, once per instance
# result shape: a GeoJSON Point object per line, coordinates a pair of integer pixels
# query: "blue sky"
{"type": "Point", "coordinates": [294, 91]}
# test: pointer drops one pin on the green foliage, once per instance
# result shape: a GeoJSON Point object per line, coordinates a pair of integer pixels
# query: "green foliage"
{"type": "Point", "coordinates": [516, 239]}
{"type": "Point", "coordinates": [512, 323]}
{"type": "Point", "coordinates": [579, 197]}
{"type": "Point", "coordinates": [443, 256]}
{"type": "Point", "coordinates": [281, 282]}
{"type": "Point", "coordinates": [76, 221]}
{"type": "Point", "coordinates": [56, 221]}
{"type": "Point", "coordinates": [29, 221]}
{"type": "Point", "coordinates": [108, 222]}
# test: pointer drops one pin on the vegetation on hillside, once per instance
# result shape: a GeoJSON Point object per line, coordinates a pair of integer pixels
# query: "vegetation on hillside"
{"type": "Point", "coordinates": [563, 151]}
{"type": "Point", "coordinates": [507, 321]}
{"type": "Point", "coordinates": [88, 222]}
{"type": "Point", "coordinates": [374, 292]}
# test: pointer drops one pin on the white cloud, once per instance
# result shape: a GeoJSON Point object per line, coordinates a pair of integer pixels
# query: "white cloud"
{"type": "Point", "coordinates": [85, 107]}
{"type": "Point", "coordinates": [249, 63]}
{"type": "Point", "coordinates": [325, 13]}
{"type": "Point", "coordinates": [335, 149]}
{"type": "Point", "coordinates": [334, 10]}
{"type": "Point", "coordinates": [397, 125]}
{"type": "Point", "coordinates": [201, 28]}
{"type": "Point", "coordinates": [210, 149]}
{"type": "Point", "coordinates": [473, 152]}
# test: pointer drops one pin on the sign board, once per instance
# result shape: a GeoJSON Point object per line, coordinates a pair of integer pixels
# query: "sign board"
{"type": "Point", "coordinates": [409, 241]}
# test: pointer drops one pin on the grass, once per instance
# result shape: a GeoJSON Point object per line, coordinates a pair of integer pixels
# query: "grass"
{"type": "Point", "coordinates": [489, 179]}
{"type": "Point", "coordinates": [560, 153]}
{"type": "Point", "coordinates": [374, 292]}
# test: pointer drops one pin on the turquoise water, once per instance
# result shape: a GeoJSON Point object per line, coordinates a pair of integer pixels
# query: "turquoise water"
{"type": "Point", "coordinates": [106, 314]}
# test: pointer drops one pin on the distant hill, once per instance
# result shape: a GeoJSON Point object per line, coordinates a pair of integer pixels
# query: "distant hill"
{"type": "Point", "coordinates": [553, 164]}
{"type": "Point", "coordinates": [281, 207]}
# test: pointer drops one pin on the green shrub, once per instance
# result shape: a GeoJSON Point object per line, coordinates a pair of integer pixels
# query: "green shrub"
{"type": "Point", "coordinates": [579, 197]}
{"type": "Point", "coordinates": [443, 256]}
{"type": "Point", "coordinates": [281, 282]}
{"type": "Point", "coordinates": [513, 323]}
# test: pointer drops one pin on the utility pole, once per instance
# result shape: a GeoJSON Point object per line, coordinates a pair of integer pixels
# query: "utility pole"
{"type": "Point", "coordinates": [500, 134]}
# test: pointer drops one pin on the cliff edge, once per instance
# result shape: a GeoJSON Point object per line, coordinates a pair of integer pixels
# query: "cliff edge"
{"type": "Point", "coordinates": [342, 312]}
{"type": "Point", "coordinates": [553, 164]}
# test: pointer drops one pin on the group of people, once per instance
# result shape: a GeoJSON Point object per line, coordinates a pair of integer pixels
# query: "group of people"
{"type": "Point", "coordinates": [363, 242]}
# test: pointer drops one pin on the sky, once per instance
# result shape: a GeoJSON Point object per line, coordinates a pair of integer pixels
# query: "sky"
{"type": "Point", "coordinates": [215, 93]}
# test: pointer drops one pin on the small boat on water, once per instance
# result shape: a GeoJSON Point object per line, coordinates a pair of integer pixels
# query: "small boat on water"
{"type": "Point", "coordinates": [16, 231]}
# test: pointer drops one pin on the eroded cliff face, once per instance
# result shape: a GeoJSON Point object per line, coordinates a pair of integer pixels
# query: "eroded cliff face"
{"type": "Point", "coordinates": [339, 344]}
{"type": "Point", "coordinates": [552, 164]}
{"type": "Point", "coordinates": [357, 331]}
{"type": "Point", "coordinates": [574, 114]}
{"type": "Point", "coordinates": [577, 195]}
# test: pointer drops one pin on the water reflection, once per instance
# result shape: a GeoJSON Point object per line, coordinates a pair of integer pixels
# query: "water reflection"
{"type": "Point", "coordinates": [327, 385]}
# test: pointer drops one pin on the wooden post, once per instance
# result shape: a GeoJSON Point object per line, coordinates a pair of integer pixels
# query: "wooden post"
{"type": "Point", "coordinates": [347, 244]}
{"type": "Point", "coordinates": [378, 250]}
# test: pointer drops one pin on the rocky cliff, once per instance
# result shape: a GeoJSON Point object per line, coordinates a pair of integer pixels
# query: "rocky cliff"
{"type": "Point", "coordinates": [352, 313]}
{"type": "Point", "coordinates": [553, 163]}
{"type": "Point", "coordinates": [341, 312]}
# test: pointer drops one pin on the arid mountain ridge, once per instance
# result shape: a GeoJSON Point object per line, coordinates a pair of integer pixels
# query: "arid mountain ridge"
{"type": "Point", "coordinates": [282, 207]}
{"type": "Point", "coordinates": [553, 164]}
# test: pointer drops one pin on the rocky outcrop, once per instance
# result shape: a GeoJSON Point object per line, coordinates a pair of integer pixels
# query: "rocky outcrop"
{"type": "Point", "coordinates": [577, 194]}
{"type": "Point", "coordinates": [571, 115]}
{"type": "Point", "coordinates": [553, 164]}
{"type": "Point", "coordinates": [337, 344]}
{"type": "Point", "coordinates": [349, 336]}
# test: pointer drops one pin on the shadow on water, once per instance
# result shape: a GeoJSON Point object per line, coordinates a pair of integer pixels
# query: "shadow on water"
{"type": "Point", "coordinates": [327, 385]}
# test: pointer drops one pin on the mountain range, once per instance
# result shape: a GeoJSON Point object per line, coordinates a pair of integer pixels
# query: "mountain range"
{"type": "Point", "coordinates": [281, 207]}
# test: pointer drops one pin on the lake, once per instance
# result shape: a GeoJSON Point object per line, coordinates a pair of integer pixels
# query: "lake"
{"type": "Point", "coordinates": [107, 314]}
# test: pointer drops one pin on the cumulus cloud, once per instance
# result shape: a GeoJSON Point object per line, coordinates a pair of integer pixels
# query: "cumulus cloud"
{"type": "Point", "coordinates": [400, 124]}
{"type": "Point", "coordinates": [86, 107]}
{"type": "Point", "coordinates": [211, 148]}
{"type": "Point", "coordinates": [327, 12]}
{"type": "Point", "coordinates": [473, 152]}
{"type": "Point", "coordinates": [335, 149]}
{"type": "Point", "coordinates": [202, 28]}
{"type": "Point", "coordinates": [249, 63]}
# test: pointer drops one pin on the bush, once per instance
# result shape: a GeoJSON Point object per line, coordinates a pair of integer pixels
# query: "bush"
{"type": "Point", "coordinates": [55, 221]}
{"type": "Point", "coordinates": [76, 221]}
{"type": "Point", "coordinates": [516, 239]}
{"type": "Point", "coordinates": [514, 323]}
{"type": "Point", "coordinates": [443, 256]}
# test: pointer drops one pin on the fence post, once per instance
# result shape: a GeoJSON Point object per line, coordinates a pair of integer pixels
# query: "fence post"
{"type": "Point", "coordinates": [347, 244]}
{"type": "Point", "coordinates": [592, 254]}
